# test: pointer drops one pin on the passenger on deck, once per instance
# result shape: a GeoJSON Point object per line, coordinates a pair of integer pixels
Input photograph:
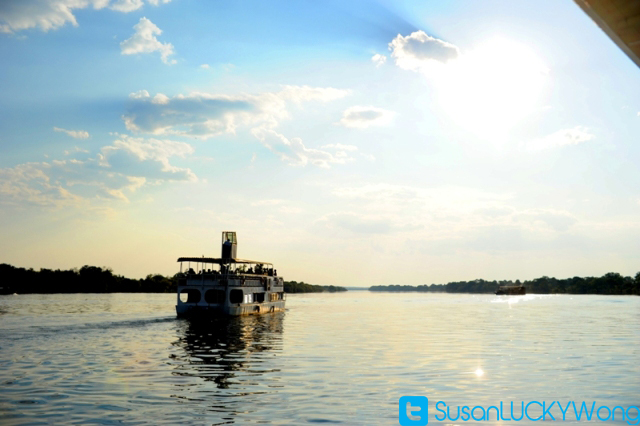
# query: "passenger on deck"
{"type": "Point", "coordinates": [191, 271]}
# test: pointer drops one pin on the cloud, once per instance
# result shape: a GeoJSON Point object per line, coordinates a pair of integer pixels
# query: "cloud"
{"type": "Point", "coordinates": [126, 5]}
{"type": "Point", "coordinates": [117, 170]}
{"type": "Point", "coordinates": [366, 116]}
{"type": "Point", "coordinates": [146, 158]}
{"type": "Point", "coordinates": [295, 153]}
{"type": "Point", "coordinates": [76, 134]}
{"type": "Point", "coordinates": [558, 220]}
{"type": "Point", "coordinates": [205, 115]}
{"type": "Point", "coordinates": [574, 136]}
{"type": "Point", "coordinates": [358, 223]}
{"type": "Point", "coordinates": [140, 94]}
{"type": "Point", "coordinates": [18, 15]}
{"type": "Point", "coordinates": [290, 210]}
{"type": "Point", "coordinates": [205, 66]}
{"type": "Point", "coordinates": [75, 150]}
{"type": "Point", "coordinates": [378, 59]}
{"type": "Point", "coordinates": [144, 41]}
{"type": "Point", "coordinates": [268, 202]}
{"type": "Point", "coordinates": [29, 182]}
{"type": "Point", "coordinates": [418, 49]}
{"type": "Point", "coordinates": [195, 115]}
{"type": "Point", "coordinates": [445, 218]}
{"type": "Point", "coordinates": [299, 94]}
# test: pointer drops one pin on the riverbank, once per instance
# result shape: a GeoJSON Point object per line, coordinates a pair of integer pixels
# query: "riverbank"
{"type": "Point", "coordinates": [611, 283]}
{"type": "Point", "coordinates": [95, 279]}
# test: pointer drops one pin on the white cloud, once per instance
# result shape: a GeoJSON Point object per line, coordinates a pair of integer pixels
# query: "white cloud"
{"type": "Point", "coordinates": [119, 169]}
{"type": "Point", "coordinates": [366, 116]}
{"type": "Point", "coordinates": [140, 94]}
{"type": "Point", "coordinates": [359, 223]}
{"type": "Point", "coordinates": [295, 153]}
{"type": "Point", "coordinates": [144, 41]}
{"type": "Point", "coordinates": [205, 66]}
{"type": "Point", "coordinates": [299, 94]}
{"type": "Point", "coordinates": [126, 5]}
{"type": "Point", "coordinates": [340, 147]}
{"type": "Point", "coordinates": [556, 219]}
{"type": "Point", "coordinates": [17, 15]}
{"type": "Point", "coordinates": [30, 183]}
{"type": "Point", "coordinates": [205, 115]}
{"type": "Point", "coordinates": [369, 157]}
{"type": "Point", "coordinates": [463, 217]}
{"type": "Point", "coordinates": [418, 50]}
{"type": "Point", "coordinates": [290, 210]}
{"type": "Point", "coordinates": [198, 115]}
{"type": "Point", "coordinates": [160, 99]}
{"type": "Point", "coordinates": [269, 202]}
{"type": "Point", "coordinates": [378, 59]}
{"type": "Point", "coordinates": [574, 136]}
{"type": "Point", "coordinates": [75, 150]}
{"type": "Point", "coordinates": [150, 158]}
{"type": "Point", "coordinates": [76, 134]}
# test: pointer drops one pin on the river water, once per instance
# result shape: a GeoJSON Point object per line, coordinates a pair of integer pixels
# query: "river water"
{"type": "Point", "coordinates": [330, 358]}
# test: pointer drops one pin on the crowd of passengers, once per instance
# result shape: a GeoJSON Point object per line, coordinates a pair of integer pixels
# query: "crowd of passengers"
{"type": "Point", "coordinates": [259, 270]}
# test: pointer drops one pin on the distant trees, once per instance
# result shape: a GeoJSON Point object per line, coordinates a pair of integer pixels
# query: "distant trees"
{"type": "Point", "coordinates": [610, 283]}
{"type": "Point", "coordinates": [302, 287]}
{"type": "Point", "coordinates": [88, 279]}
{"type": "Point", "coordinates": [94, 279]}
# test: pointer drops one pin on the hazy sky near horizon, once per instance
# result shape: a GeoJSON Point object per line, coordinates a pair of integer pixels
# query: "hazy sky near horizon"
{"type": "Point", "coordinates": [351, 143]}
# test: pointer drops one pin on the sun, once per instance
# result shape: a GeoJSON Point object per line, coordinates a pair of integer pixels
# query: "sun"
{"type": "Point", "coordinates": [492, 88]}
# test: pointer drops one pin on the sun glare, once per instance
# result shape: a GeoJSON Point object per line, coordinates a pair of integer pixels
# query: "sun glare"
{"type": "Point", "coordinates": [490, 89]}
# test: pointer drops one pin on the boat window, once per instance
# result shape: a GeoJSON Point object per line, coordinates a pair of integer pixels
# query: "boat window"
{"type": "Point", "coordinates": [229, 236]}
{"type": "Point", "coordinates": [214, 296]}
{"type": "Point", "coordinates": [235, 296]}
{"type": "Point", "coordinates": [259, 297]}
{"type": "Point", "coordinates": [190, 296]}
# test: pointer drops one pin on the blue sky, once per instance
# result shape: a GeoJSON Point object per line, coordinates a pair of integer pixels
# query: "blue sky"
{"type": "Point", "coordinates": [356, 144]}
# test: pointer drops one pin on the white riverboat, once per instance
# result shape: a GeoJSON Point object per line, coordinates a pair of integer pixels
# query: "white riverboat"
{"type": "Point", "coordinates": [227, 285]}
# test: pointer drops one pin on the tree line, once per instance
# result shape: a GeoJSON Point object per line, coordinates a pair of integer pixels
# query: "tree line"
{"type": "Point", "coordinates": [302, 287]}
{"type": "Point", "coordinates": [610, 283]}
{"type": "Point", "coordinates": [88, 279]}
{"type": "Point", "coordinates": [95, 279]}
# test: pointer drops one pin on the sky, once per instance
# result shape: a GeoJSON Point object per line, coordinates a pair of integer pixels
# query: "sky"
{"type": "Point", "coordinates": [350, 143]}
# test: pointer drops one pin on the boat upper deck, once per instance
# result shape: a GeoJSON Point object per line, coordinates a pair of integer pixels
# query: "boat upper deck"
{"type": "Point", "coordinates": [227, 268]}
{"type": "Point", "coordinates": [218, 261]}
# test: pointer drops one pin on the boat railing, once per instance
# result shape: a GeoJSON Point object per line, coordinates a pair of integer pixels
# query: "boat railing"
{"type": "Point", "coordinates": [218, 276]}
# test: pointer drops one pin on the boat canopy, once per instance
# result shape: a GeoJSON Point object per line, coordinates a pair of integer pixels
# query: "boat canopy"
{"type": "Point", "coordinates": [221, 261]}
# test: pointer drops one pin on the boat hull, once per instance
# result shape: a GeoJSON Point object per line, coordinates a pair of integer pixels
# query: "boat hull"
{"type": "Point", "coordinates": [233, 310]}
{"type": "Point", "coordinates": [230, 296]}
